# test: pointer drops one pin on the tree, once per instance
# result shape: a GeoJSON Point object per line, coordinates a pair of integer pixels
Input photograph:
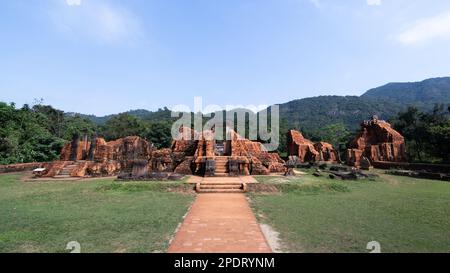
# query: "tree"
{"type": "Point", "coordinates": [427, 134]}
{"type": "Point", "coordinates": [335, 134]}
{"type": "Point", "coordinates": [159, 133]}
{"type": "Point", "coordinates": [53, 119]}
{"type": "Point", "coordinates": [123, 125]}
{"type": "Point", "coordinates": [410, 125]}
{"type": "Point", "coordinates": [77, 126]}
{"type": "Point", "coordinates": [440, 138]}
{"type": "Point", "coordinates": [438, 131]}
{"type": "Point", "coordinates": [24, 136]}
{"type": "Point", "coordinates": [284, 129]}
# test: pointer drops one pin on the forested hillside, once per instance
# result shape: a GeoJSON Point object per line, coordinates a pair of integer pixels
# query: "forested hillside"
{"type": "Point", "coordinates": [311, 114]}
{"type": "Point", "coordinates": [423, 94]}
{"type": "Point", "coordinates": [37, 133]}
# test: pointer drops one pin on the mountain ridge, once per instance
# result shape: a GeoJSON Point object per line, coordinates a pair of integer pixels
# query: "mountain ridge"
{"type": "Point", "coordinates": [312, 113]}
{"type": "Point", "coordinates": [422, 94]}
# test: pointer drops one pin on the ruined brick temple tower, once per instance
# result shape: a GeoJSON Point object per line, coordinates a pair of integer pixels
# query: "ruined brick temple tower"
{"type": "Point", "coordinates": [307, 151]}
{"type": "Point", "coordinates": [234, 156]}
{"type": "Point", "coordinates": [377, 142]}
{"type": "Point", "coordinates": [193, 153]}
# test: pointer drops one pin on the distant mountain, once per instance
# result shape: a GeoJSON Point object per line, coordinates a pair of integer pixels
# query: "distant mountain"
{"type": "Point", "coordinates": [161, 114]}
{"type": "Point", "coordinates": [423, 94]}
{"type": "Point", "coordinates": [386, 101]}
{"type": "Point", "coordinates": [311, 114]}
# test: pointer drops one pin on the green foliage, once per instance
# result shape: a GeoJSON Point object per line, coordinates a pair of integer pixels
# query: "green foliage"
{"type": "Point", "coordinates": [156, 129]}
{"type": "Point", "coordinates": [337, 134]}
{"type": "Point", "coordinates": [427, 134]}
{"type": "Point", "coordinates": [77, 126]}
{"type": "Point", "coordinates": [284, 129]}
{"type": "Point", "coordinates": [54, 118]}
{"type": "Point", "coordinates": [159, 133]}
{"type": "Point", "coordinates": [36, 134]}
{"type": "Point", "coordinates": [423, 95]}
{"type": "Point", "coordinates": [161, 114]}
{"type": "Point", "coordinates": [440, 139]}
{"type": "Point", "coordinates": [121, 126]}
{"type": "Point", "coordinates": [311, 115]}
{"type": "Point", "coordinates": [25, 136]}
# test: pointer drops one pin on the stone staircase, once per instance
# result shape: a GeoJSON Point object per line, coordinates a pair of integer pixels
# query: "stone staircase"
{"type": "Point", "coordinates": [67, 170]}
{"type": "Point", "coordinates": [229, 187]}
{"type": "Point", "coordinates": [221, 166]}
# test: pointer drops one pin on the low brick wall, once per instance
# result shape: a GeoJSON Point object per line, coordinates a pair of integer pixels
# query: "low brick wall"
{"type": "Point", "coordinates": [20, 167]}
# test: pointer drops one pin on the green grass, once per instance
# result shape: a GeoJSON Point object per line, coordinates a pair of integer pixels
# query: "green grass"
{"type": "Point", "coordinates": [403, 214]}
{"type": "Point", "coordinates": [102, 215]}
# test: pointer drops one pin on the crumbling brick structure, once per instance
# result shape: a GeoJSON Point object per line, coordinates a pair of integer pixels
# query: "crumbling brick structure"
{"type": "Point", "coordinates": [298, 145]}
{"type": "Point", "coordinates": [377, 142]}
{"type": "Point", "coordinates": [187, 155]}
{"type": "Point", "coordinates": [306, 151]}
{"type": "Point", "coordinates": [250, 156]}
{"type": "Point", "coordinates": [326, 152]}
{"type": "Point", "coordinates": [259, 160]}
{"type": "Point", "coordinates": [100, 158]}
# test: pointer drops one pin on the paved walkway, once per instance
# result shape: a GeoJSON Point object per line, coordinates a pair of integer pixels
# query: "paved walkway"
{"type": "Point", "coordinates": [220, 223]}
{"type": "Point", "coordinates": [224, 179]}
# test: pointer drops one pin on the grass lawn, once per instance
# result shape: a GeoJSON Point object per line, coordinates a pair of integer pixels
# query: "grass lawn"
{"type": "Point", "coordinates": [322, 215]}
{"type": "Point", "coordinates": [102, 215]}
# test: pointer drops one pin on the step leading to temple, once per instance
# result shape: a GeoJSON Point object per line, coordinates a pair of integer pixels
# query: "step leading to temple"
{"type": "Point", "coordinates": [221, 188]}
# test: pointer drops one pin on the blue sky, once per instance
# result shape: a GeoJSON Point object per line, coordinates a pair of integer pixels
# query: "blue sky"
{"type": "Point", "coordinates": [107, 56]}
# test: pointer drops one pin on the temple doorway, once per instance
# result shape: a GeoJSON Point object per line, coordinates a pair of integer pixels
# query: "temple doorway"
{"type": "Point", "coordinates": [220, 148]}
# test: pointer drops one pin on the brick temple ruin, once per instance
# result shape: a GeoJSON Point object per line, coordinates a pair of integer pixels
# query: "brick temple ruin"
{"type": "Point", "coordinates": [201, 154]}
{"type": "Point", "coordinates": [306, 151]}
{"type": "Point", "coordinates": [377, 142]}
{"type": "Point", "coordinates": [194, 154]}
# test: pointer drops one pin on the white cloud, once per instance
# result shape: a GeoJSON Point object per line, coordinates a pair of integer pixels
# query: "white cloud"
{"type": "Point", "coordinates": [73, 2]}
{"type": "Point", "coordinates": [426, 30]}
{"type": "Point", "coordinates": [99, 21]}
{"type": "Point", "coordinates": [374, 2]}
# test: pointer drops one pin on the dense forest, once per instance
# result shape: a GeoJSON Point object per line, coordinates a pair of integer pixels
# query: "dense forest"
{"type": "Point", "coordinates": [311, 115]}
{"type": "Point", "coordinates": [37, 133]}
{"type": "Point", "coordinates": [417, 110]}
{"type": "Point", "coordinates": [427, 134]}
{"type": "Point", "coordinates": [423, 95]}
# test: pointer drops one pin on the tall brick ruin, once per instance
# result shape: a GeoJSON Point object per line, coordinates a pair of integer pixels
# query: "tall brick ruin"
{"type": "Point", "coordinates": [250, 156]}
{"type": "Point", "coordinates": [100, 158]}
{"type": "Point", "coordinates": [377, 142]}
{"type": "Point", "coordinates": [307, 151]}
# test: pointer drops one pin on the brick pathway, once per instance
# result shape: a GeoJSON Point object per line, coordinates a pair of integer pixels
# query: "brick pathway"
{"type": "Point", "coordinates": [220, 223]}
{"type": "Point", "coordinates": [239, 179]}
